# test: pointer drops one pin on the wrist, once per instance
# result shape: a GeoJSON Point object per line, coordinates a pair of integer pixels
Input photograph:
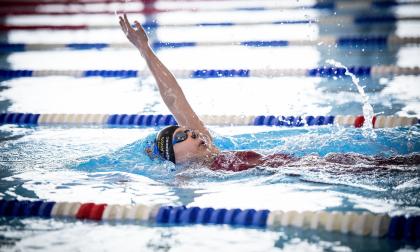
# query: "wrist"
{"type": "Point", "coordinates": [144, 49]}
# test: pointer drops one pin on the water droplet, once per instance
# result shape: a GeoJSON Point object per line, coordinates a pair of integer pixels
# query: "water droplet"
{"type": "Point", "coordinates": [367, 107]}
{"type": "Point", "coordinates": [383, 81]}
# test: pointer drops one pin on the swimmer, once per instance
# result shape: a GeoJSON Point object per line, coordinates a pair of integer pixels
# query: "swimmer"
{"type": "Point", "coordinates": [191, 142]}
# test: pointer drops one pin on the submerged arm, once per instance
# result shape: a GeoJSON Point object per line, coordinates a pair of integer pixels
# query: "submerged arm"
{"type": "Point", "coordinates": [169, 89]}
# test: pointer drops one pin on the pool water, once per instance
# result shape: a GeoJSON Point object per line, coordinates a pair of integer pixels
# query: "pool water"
{"type": "Point", "coordinates": [105, 165]}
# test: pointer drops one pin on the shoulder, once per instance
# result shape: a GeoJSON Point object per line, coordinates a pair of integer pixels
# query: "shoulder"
{"type": "Point", "coordinates": [234, 157]}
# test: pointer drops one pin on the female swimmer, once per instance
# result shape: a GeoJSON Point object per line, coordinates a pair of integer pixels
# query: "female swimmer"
{"type": "Point", "coordinates": [191, 142]}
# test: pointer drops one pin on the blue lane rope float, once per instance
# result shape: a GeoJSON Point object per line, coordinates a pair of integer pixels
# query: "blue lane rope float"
{"type": "Point", "coordinates": [325, 21]}
{"type": "Point", "coordinates": [323, 71]}
{"type": "Point", "coordinates": [363, 224]}
{"type": "Point", "coordinates": [365, 42]}
{"type": "Point", "coordinates": [127, 120]}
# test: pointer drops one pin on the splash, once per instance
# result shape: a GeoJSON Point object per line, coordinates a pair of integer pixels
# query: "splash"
{"type": "Point", "coordinates": [367, 107]}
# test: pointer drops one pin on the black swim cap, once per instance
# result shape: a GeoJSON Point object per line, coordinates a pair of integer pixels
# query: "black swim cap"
{"type": "Point", "coordinates": [164, 143]}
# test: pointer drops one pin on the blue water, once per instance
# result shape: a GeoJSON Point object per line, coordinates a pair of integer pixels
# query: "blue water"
{"type": "Point", "coordinates": [105, 164]}
{"type": "Point", "coordinates": [298, 142]}
{"type": "Point", "coordinates": [80, 164]}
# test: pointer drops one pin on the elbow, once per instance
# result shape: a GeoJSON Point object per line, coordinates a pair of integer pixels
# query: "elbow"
{"type": "Point", "coordinates": [169, 98]}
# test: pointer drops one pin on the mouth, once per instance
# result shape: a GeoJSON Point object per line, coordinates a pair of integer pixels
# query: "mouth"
{"type": "Point", "coordinates": [202, 143]}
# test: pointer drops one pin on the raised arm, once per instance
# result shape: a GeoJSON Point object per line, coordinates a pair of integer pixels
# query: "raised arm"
{"type": "Point", "coordinates": [169, 88]}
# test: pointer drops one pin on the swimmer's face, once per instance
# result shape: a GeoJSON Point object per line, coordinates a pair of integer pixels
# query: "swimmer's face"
{"type": "Point", "coordinates": [194, 148]}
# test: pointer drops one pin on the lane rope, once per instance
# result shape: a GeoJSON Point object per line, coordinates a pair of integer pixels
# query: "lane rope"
{"type": "Point", "coordinates": [324, 72]}
{"type": "Point", "coordinates": [365, 42]}
{"type": "Point", "coordinates": [132, 120]}
{"type": "Point", "coordinates": [362, 224]}
{"type": "Point", "coordinates": [324, 20]}
{"type": "Point", "coordinates": [148, 9]}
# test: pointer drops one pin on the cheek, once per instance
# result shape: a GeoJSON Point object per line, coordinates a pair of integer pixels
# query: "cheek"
{"type": "Point", "coordinates": [191, 147]}
{"type": "Point", "coordinates": [185, 148]}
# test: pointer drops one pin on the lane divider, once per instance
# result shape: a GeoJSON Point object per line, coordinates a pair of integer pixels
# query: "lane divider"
{"type": "Point", "coordinates": [340, 5]}
{"type": "Point", "coordinates": [362, 224]}
{"type": "Point", "coordinates": [324, 72]}
{"type": "Point", "coordinates": [127, 120]}
{"type": "Point", "coordinates": [324, 20]}
{"type": "Point", "coordinates": [366, 42]}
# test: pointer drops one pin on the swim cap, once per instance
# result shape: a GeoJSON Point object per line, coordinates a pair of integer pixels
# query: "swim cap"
{"type": "Point", "coordinates": [164, 143]}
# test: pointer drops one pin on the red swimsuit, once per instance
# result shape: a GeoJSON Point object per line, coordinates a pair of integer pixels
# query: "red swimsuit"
{"type": "Point", "coordinates": [243, 160]}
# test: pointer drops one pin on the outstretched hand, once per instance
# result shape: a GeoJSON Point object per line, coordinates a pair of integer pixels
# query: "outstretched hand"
{"type": "Point", "coordinates": [137, 36]}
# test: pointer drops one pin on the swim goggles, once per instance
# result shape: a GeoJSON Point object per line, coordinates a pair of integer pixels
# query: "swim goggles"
{"type": "Point", "coordinates": [183, 135]}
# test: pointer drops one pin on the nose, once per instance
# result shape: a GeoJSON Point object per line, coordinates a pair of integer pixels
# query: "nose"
{"type": "Point", "coordinates": [200, 136]}
{"type": "Point", "coordinates": [193, 134]}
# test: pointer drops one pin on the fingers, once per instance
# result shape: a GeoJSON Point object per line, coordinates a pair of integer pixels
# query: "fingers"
{"type": "Point", "coordinates": [127, 23]}
{"type": "Point", "coordinates": [123, 26]}
{"type": "Point", "coordinates": [126, 27]}
{"type": "Point", "coordinates": [138, 25]}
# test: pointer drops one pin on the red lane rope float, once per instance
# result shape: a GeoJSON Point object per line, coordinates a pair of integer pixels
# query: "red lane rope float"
{"type": "Point", "coordinates": [146, 11]}
{"type": "Point", "coordinates": [91, 211]}
{"type": "Point", "coordinates": [84, 211]}
{"type": "Point", "coordinates": [83, 2]}
{"type": "Point", "coordinates": [40, 27]}
{"type": "Point", "coordinates": [97, 211]}
{"type": "Point", "coordinates": [360, 120]}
